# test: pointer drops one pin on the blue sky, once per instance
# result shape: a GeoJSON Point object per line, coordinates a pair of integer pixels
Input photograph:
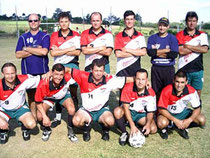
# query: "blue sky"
{"type": "Point", "coordinates": [150, 10]}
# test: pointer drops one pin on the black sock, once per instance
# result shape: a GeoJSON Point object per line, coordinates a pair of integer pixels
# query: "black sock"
{"type": "Point", "coordinates": [201, 103]}
{"type": "Point", "coordinates": [4, 130]}
{"type": "Point", "coordinates": [41, 124]}
{"type": "Point", "coordinates": [104, 128]}
{"type": "Point", "coordinates": [121, 124]}
{"type": "Point", "coordinates": [86, 128]}
{"type": "Point", "coordinates": [70, 117]}
{"type": "Point", "coordinates": [58, 108]}
{"type": "Point", "coordinates": [24, 127]}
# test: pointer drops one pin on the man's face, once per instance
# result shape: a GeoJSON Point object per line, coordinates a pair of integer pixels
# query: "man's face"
{"type": "Point", "coordinates": [98, 72]}
{"type": "Point", "coordinates": [163, 28]}
{"type": "Point", "coordinates": [96, 21]}
{"type": "Point", "coordinates": [180, 83]}
{"type": "Point", "coordinates": [191, 23]}
{"type": "Point", "coordinates": [64, 23]}
{"type": "Point", "coordinates": [129, 21]}
{"type": "Point", "coordinates": [9, 74]}
{"type": "Point", "coordinates": [34, 22]}
{"type": "Point", "coordinates": [57, 77]}
{"type": "Point", "coordinates": [141, 80]}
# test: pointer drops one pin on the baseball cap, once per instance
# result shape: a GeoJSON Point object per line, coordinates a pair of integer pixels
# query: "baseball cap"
{"type": "Point", "coordinates": [164, 20]}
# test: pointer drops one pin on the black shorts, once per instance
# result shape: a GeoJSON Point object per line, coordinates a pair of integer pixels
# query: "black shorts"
{"type": "Point", "coordinates": [161, 76]}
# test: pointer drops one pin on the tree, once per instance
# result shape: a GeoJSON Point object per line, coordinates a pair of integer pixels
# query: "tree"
{"type": "Point", "coordinates": [112, 20]}
{"type": "Point", "coordinates": [87, 19]}
{"type": "Point", "coordinates": [139, 19]}
{"type": "Point", "coordinates": [56, 13]}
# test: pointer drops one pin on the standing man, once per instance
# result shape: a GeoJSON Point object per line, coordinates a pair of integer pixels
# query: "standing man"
{"type": "Point", "coordinates": [32, 48]}
{"type": "Point", "coordinates": [192, 45]}
{"type": "Point", "coordinates": [138, 107]}
{"type": "Point", "coordinates": [129, 47]}
{"type": "Point", "coordinates": [13, 101]}
{"type": "Point", "coordinates": [65, 48]}
{"type": "Point", "coordinates": [162, 47]}
{"type": "Point", "coordinates": [179, 103]}
{"type": "Point", "coordinates": [95, 91]}
{"type": "Point", "coordinates": [53, 91]}
{"type": "Point", "coordinates": [96, 42]}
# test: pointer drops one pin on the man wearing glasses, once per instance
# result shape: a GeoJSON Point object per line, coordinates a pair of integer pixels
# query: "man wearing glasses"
{"type": "Point", "coordinates": [32, 48]}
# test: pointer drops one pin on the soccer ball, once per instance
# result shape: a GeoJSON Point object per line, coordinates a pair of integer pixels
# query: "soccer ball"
{"type": "Point", "coordinates": [137, 140]}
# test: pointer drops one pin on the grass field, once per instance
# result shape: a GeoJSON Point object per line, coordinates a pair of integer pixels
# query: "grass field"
{"type": "Point", "coordinates": [198, 146]}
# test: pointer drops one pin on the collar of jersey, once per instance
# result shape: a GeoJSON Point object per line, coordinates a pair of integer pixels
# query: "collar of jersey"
{"type": "Point", "coordinates": [136, 90]}
{"type": "Point", "coordinates": [187, 34]}
{"type": "Point", "coordinates": [6, 88]}
{"type": "Point", "coordinates": [52, 87]}
{"type": "Point", "coordinates": [124, 34]}
{"type": "Point", "coordinates": [185, 91]}
{"type": "Point", "coordinates": [69, 34]}
{"type": "Point", "coordinates": [102, 31]}
{"type": "Point", "coordinates": [90, 80]}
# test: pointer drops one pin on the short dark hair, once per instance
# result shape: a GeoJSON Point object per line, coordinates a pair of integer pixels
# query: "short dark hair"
{"type": "Point", "coordinates": [38, 15]}
{"type": "Point", "coordinates": [191, 14]}
{"type": "Point", "coordinates": [128, 13]}
{"type": "Point", "coordinates": [180, 73]}
{"type": "Point", "coordinates": [64, 15]}
{"type": "Point", "coordinates": [98, 63]}
{"type": "Point", "coordinates": [95, 13]}
{"type": "Point", "coordinates": [8, 65]}
{"type": "Point", "coordinates": [141, 70]}
{"type": "Point", "coordinates": [58, 67]}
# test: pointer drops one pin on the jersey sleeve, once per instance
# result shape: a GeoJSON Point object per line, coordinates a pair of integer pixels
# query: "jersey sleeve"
{"type": "Point", "coordinates": [40, 92]}
{"type": "Point", "coordinates": [163, 100]}
{"type": "Point", "coordinates": [180, 39]}
{"type": "Point", "coordinates": [53, 40]}
{"type": "Point", "coordinates": [142, 42]}
{"type": "Point", "coordinates": [76, 75]}
{"type": "Point", "coordinates": [195, 100]}
{"type": "Point", "coordinates": [109, 41]}
{"type": "Point", "coordinates": [117, 82]}
{"type": "Point", "coordinates": [77, 42]}
{"type": "Point", "coordinates": [32, 81]}
{"type": "Point", "coordinates": [20, 44]}
{"type": "Point", "coordinates": [125, 95]}
{"type": "Point", "coordinates": [83, 39]}
{"type": "Point", "coordinates": [204, 41]}
{"type": "Point", "coordinates": [46, 41]}
{"type": "Point", "coordinates": [151, 51]}
{"type": "Point", "coordinates": [152, 107]}
{"type": "Point", "coordinates": [118, 44]}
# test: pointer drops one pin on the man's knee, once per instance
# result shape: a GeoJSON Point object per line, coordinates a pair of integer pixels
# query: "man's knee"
{"type": "Point", "coordinates": [118, 112]}
{"type": "Point", "coordinates": [162, 122]}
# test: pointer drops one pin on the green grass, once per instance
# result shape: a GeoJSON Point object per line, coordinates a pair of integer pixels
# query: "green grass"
{"type": "Point", "coordinates": [198, 146]}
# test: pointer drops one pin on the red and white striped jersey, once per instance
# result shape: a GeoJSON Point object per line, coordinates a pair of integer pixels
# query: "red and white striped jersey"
{"type": "Point", "coordinates": [11, 99]}
{"type": "Point", "coordinates": [46, 90]}
{"type": "Point", "coordinates": [95, 96]}
{"type": "Point", "coordinates": [176, 104]}
{"type": "Point", "coordinates": [145, 102]}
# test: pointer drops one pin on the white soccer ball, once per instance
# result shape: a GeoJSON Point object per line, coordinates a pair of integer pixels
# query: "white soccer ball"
{"type": "Point", "coordinates": [137, 140]}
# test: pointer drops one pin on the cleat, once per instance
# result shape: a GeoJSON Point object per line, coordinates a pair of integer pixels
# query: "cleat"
{"type": "Point", "coordinates": [164, 134]}
{"type": "Point", "coordinates": [73, 138]}
{"type": "Point", "coordinates": [55, 123]}
{"type": "Point", "coordinates": [46, 135]}
{"type": "Point", "coordinates": [123, 138]}
{"type": "Point", "coordinates": [4, 136]}
{"type": "Point", "coordinates": [26, 135]}
{"type": "Point", "coordinates": [86, 136]}
{"type": "Point", "coordinates": [105, 136]}
{"type": "Point", "coordinates": [183, 133]}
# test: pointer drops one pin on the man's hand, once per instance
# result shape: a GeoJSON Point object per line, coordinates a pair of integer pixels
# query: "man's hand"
{"type": "Point", "coordinates": [46, 121]}
{"type": "Point", "coordinates": [186, 123]}
{"type": "Point", "coordinates": [134, 129]}
{"type": "Point", "coordinates": [47, 75]}
{"type": "Point", "coordinates": [179, 123]}
{"type": "Point", "coordinates": [3, 124]}
{"type": "Point", "coordinates": [54, 47]}
{"type": "Point", "coordinates": [146, 129]}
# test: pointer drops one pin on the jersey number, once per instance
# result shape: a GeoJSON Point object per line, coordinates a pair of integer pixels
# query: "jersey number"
{"type": "Point", "coordinates": [173, 107]}
{"type": "Point", "coordinates": [90, 96]}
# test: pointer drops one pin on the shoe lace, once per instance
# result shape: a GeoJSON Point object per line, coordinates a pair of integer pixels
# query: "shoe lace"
{"type": "Point", "coordinates": [123, 137]}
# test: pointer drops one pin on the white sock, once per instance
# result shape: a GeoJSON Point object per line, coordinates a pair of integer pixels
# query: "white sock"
{"type": "Point", "coordinates": [58, 116]}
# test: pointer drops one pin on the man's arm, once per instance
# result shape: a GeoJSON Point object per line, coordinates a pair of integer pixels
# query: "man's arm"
{"type": "Point", "coordinates": [198, 49]}
{"type": "Point", "coordinates": [133, 127]}
{"type": "Point", "coordinates": [135, 52]}
{"type": "Point", "coordinates": [56, 51]}
{"type": "Point", "coordinates": [92, 50]}
{"type": "Point", "coordinates": [187, 121]}
{"type": "Point", "coordinates": [46, 120]}
{"type": "Point", "coordinates": [164, 112]}
{"type": "Point", "coordinates": [163, 52]}
{"type": "Point", "coordinates": [122, 54]}
{"type": "Point", "coordinates": [106, 52]}
{"type": "Point", "coordinates": [37, 51]}
{"type": "Point", "coordinates": [184, 51]}
{"type": "Point", "coordinates": [22, 54]}
{"type": "Point", "coordinates": [147, 127]}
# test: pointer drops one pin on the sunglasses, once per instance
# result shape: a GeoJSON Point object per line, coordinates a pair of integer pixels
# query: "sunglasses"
{"type": "Point", "coordinates": [33, 20]}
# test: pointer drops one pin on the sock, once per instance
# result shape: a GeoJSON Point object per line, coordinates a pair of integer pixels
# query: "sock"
{"type": "Point", "coordinates": [104, 128]}
{"type": "Point", "coordinates": [86, 128]}
{"type": "Point", "coordinates": [201, 103]}
{"type": "Point", "coordinates": [58, 116]}
{"type": "Point", "coordinates": [70, 117]}
{"type": "Point", "coordinates": [23, 127]}
{"type": "Point", "coordinates": [121, 124]}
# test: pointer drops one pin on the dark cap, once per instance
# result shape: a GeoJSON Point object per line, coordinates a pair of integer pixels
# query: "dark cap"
{"type": "Point", "coordinates": [163, 20]}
